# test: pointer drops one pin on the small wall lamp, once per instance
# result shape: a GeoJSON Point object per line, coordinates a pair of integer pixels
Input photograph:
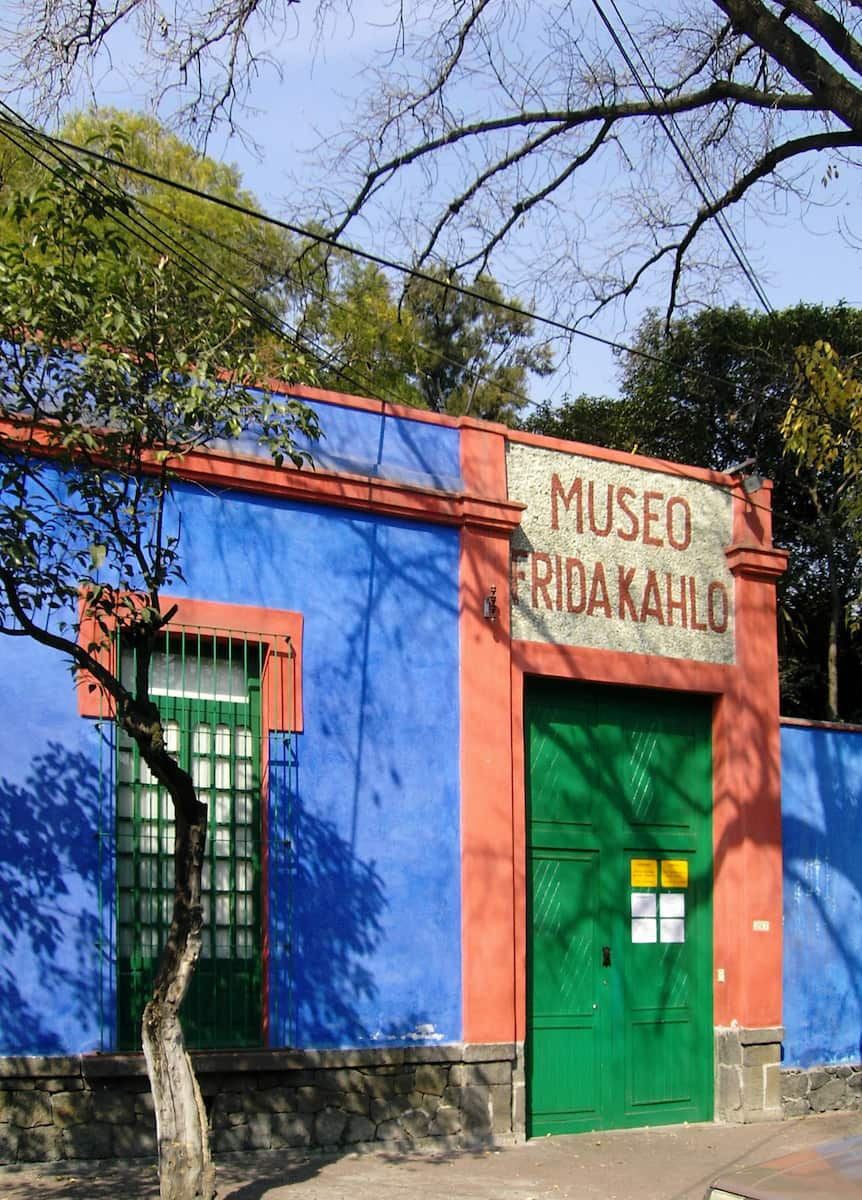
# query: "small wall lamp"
{"type": "Point", "coordinates": [491, 611]}
{"type": "Point", "coordinates": [747, 473]}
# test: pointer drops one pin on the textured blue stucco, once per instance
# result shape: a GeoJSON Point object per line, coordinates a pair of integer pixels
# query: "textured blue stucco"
{"type": "Point", "coordinates": [363, 441]}
{"type": "Point", "coordinates": [822, 832]}
{"type": "Point", "coordinates": [365, 900]}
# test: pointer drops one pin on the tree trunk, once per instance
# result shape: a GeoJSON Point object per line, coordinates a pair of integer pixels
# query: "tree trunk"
{"type": "Point", "coordinates": [186, 1170]}
{"type": "Point", "coordinates": [835, 616]}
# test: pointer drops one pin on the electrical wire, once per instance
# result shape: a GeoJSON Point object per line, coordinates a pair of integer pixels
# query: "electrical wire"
{"type": "Point", "coordinates": [69, 149]}
{"type": "Point", "coordinates": [672, 131]}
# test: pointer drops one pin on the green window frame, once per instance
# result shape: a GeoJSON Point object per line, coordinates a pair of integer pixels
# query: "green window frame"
{"type": "Point", "coordinates": [208, 690]}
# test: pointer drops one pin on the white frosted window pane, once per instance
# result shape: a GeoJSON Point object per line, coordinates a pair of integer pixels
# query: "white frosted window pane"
{"type": "Point", "coordinates": [149, 839]}
{"type": "Point", "coordinates": [148, 872]}
{"type": "Point", "coordinates": [244, 910]}
{"type": "Point", "coordinates": [125, 836]}
{"type": "Point", "coordinates": [673, 904]}
{"type": "Point", "coordinates": [244, 943]}
{"type": "Point", "coordinates": [643, 904]}
{"type": "Point", "coordinates": [221, 845]}
{"type": "Point", "coordinates": [242, 802]}
{"type": "Point", "coordinates": [243, 743]}
{"type": "Point", "coordinates": [126, 765]}
{"type": "Point", "coordinates": [222, 740]}
{"type": "Point", "coordinates": [150, 804]}
{"type": "Point", "coordinates": [172, 737]}
{"type": "Point", "coordinates": [205, 876]}
{"type": "Point", "coordinates": [643, 929]}
{"type": "Point", "coordinates": [222, 773]}
{"type": "Point", "coordinates": [144, 773]}
{"type": "Point", "coordinates": [205, 909]}
{"type": "Point", "coordinates": [201, 772]}
{"type": "Point", "coordinates": [168, 872]}
{"type": "Point", "coordinates": [167, 839]}
{"type": "Point", "coordinates": [672, 929]}
{"type": "Point", "coordinates": [222, 807]}
{"type": "Point", "coordinates": [222, 876]}
{"type": "Point", "coordinates": [201, 739]}
{"type": "Point", "coordinates": [125, 803]}
{"type": "Point", "coordinates": [243, 877]}
{"type": "Point", "coordinates": [222, 942]}
{"type": "Point", "coordinates": [242, 776]}
{"type": "Point", "coordinates": [222, 909]}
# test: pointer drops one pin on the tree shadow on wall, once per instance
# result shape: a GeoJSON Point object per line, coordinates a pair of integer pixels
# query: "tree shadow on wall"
{"type": "Point", "coordinates": [326, 920]}
{"type": "Point", "coordinates": [49, 861]}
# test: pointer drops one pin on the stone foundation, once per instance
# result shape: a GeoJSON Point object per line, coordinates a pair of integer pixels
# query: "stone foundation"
{"type": "Point", "coordinates": [821, 1089]}
{"type": "Point", "coordinates": [99, 1106]}
{"type": "Point", "coordinates": [748, 1074]}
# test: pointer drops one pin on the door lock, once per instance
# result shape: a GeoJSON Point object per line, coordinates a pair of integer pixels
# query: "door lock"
{"type": "Point", "coordinates": [606, 956]}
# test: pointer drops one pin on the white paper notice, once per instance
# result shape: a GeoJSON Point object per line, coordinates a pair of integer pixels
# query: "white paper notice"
{"type": "Point", "coordinates": [673, 904]}
{"type": "Point", "coordinates": [672, 929]}
{"type": "Point", "coordinates": [643, 929]}
{"type": "Point", "coordinates": [643, 904]}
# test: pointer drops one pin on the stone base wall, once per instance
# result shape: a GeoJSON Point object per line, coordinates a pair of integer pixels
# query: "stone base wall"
{"type": "Point", "coordinates": [748, 1074]}
{"type": "Point", "coordinates": [821, 1089]}
{"type": "Point", "coordinates": [99, 1106]}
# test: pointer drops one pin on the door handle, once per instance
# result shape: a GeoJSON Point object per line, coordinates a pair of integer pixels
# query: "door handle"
{"type": "Point", "coordinates": [606, 956]}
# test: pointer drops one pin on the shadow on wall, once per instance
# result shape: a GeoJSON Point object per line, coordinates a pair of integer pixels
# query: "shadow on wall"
{"type": "Point", "coordinates": [822, 826]}
{"type": "Point", "coordinates": [326, 917]}
{"type": "Point", "coordinates": [49, 929]}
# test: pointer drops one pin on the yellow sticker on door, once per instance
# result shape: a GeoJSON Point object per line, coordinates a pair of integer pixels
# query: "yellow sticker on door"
{"type": "Point", "coordinates": [644, 873]}
{"type": "Point", "coordinates": [674, 873]}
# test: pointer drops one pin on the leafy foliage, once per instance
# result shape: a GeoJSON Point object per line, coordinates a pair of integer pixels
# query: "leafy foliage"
{"type": "Point", "coordinates": [713, 390]}
{"type": "Point", "coordinates": [115, 363]}
{"type": "Point", "coordinates": [442, 347]}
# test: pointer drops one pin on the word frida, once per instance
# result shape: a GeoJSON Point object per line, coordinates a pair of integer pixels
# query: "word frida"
{"type": "Point", "coordinates": [563, 584]}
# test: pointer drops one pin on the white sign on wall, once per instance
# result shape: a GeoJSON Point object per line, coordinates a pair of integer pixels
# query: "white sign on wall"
{"type": "Point", "coordinates": [616, 557]}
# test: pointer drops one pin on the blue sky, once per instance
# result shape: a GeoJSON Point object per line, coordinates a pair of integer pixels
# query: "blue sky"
{"type": "Point", "coordinates": [796, 256]}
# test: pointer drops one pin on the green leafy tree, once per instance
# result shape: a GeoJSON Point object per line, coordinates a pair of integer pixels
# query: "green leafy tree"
{"type": "Point", "coordinates": [822, 429]}
{"type": "Point", "coordinates": [447, 346]}
{"type": "Point", "coordinates": [115, 363]}
{"type": "Point", "coordinates": [712, 390]}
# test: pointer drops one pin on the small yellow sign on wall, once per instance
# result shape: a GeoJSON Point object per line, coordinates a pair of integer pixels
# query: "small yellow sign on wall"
{"type": "Point", "coordinates": [644, 873]}
{"type": "Point", "coordinates": [674, 873]}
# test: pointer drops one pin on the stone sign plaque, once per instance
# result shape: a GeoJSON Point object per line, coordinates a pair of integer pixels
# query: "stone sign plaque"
{"type": "Point", "coordinates": [615, 556]}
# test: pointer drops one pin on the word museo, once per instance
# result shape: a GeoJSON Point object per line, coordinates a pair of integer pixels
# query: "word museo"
{"type": "Point", "coordinates": [567, 583]}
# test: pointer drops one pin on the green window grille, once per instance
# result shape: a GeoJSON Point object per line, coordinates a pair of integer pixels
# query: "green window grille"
{"type": "Point", "coordinates": [208, 689]}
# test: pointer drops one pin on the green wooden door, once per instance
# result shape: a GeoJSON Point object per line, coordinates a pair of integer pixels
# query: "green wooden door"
{"type": "Point", "coordinates": [619, 792]}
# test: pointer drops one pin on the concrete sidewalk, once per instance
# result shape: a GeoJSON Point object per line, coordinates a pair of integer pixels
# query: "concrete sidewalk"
{"type": "Point", "coordinates": [663, 1163]}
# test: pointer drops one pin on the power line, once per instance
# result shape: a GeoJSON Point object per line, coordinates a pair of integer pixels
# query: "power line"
{"type": "Point", "coordinates": [63, 150]}
{"type": "Point", "coordinates": [670, 127]}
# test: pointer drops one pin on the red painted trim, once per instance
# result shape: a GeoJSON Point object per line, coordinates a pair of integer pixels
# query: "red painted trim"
{"type": "Point", "coordinates": [747, 869]}
{"type": "Point", "coordinates": [367, 404]}
{"type": "Point", "coordinates": [620, 456]}
{"type": "Point", "coordinates": [244, 620]}
{"type": "Point", "coordinates": [382, 497]}
{"type": "Point", "coordinates": [487, 852]}
{"type": "Point", "coordinates": [837, 726]}
{"type": "Point", "coordinates": [379, 496]}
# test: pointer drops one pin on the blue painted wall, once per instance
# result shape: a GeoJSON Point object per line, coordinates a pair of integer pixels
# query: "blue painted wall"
{"type": "Point", "coordinates": [822, 830]}
{"type": "Point", "coordinates": [365, 917]}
